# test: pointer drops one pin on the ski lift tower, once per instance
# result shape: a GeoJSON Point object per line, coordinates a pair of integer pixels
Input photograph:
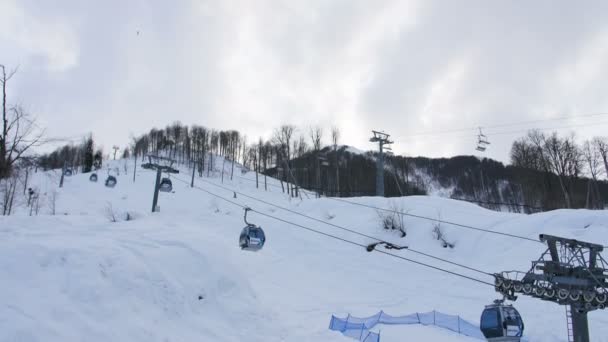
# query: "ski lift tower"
{"type": "Point", "coordinates": [382, 139]}
{"type": "Point", "coordinates": [570, 273]}
{"type": "Point", "coordinates": [160, 164]}
{"type": "Point", "coordinates": [482, 145]}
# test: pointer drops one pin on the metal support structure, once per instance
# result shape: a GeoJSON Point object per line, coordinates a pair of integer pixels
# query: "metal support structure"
{"type": "Point", "coordinates": [193, 170]}
{"type": "Point", "coordinates": [382, 139]}
{"type": "Point", "coordinates": [571, 273]}
{"type": "Point", "coordinates": [62, 175]}
{"type": "Point", "coordinates": [160, 164]}
{"type": "Point", "coordinates": [580, 325]}
{"type": "Point", "coordinates": [156, 188]}
{"type": "Point", "coordinates": [134, 167]}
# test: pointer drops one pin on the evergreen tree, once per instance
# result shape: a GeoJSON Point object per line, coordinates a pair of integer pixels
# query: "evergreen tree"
{"type": "Point", "coordinates": [97, 159]}
{"type": "Point", "coordinates": [88, 154]}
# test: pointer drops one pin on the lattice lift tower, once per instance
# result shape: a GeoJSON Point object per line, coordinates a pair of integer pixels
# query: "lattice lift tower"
{"type": "Point", "coordinates": [571, 273]}
{"type": "Point", "coordinates": [382, 139]}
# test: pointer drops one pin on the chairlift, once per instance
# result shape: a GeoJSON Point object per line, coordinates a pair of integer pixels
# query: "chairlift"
{"type": "Point", "coordinates": [165, 185]}
{"type": "Point", "coordinates": [501, 322]}
{"type": "Point", "coordinates": [111, 181]}
{"type": "Point", "coordinates": [93, 177]}
{"type": "Point", "coordinates": [482, 141]}
{"type": "Point", "coordinates": [252, 237]}
{"type": "Point", "coordinates": [67, 172]}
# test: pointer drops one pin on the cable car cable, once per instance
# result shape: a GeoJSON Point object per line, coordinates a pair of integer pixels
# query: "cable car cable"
{"type": "Point", "coordinates": [293, 211]}
{"type": "Point", "coordinates": [347, 229]}
{"type": "Point", "coordinates": [373, 207]}
{"type": "Point", "coordinates": [436, 220]}
{"type": "Point", "coordinates": [456, 130]}
{"type": "Point", "coordinates": [379, 251]}
{"type": "Point", "coordinates": [213, 194]}
{"type": "Point", "coordinates": [378, 208]}
{"type": "Point", "coordinates": [342, 239]}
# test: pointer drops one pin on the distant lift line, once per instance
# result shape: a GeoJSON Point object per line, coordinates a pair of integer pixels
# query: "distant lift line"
{"type": "Point", "coordinates": [520, 123]}
{"type": "Point", "coordinates": [297, 225]}
{"type": "Point", "coordinates": [378, 240]}
{"type": "Point", "coordinates": [458, 225]}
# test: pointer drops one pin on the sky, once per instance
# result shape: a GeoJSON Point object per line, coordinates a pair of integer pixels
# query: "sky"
{"type": "Point", "coordinates": [426, 72]}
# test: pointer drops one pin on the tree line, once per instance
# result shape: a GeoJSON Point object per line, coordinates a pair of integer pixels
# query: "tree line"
{"type": "Point", "coordinates": [546, 171]}
{"type": "Point", "coordinates": [81, 157]}
{"type": "Point", "coordinates": [561, 159]}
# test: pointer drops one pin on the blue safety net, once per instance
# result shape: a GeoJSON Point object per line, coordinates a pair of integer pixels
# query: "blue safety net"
{"type": "Point", "coordinates": [359, 328]}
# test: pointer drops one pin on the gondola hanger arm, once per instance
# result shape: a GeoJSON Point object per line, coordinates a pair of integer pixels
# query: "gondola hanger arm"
{"type": "Point", "coordinates": [387, 245]}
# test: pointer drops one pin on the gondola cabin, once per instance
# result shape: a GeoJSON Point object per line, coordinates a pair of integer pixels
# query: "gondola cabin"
{"type": "Point", "coordinates": [93, 177]}
{"type": "Point", "coordinates": [111, 181]}
{"type": "Point", "coordinates": [501, 322]}
{"type": "Point", "coordinates": [165, 185]}
{"type": "Point", "coordinates": [252, 238]}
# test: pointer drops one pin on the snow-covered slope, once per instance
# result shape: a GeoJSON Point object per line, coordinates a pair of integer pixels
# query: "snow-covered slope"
{"type": "Point", "coordinates": [178, 275]}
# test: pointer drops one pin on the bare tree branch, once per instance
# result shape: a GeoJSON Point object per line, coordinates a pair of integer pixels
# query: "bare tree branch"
{"type": "Point", "coordinates": [20, 132]}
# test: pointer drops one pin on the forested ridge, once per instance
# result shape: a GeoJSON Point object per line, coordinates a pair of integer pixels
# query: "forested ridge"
{"type": "Point", "coordinates": [531, 182]}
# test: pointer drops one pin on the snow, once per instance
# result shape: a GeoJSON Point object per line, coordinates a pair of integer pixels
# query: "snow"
{"type": "Point", "coordinates": [77, 276]}
{"type": "Point", "coordinates": [354, 150]}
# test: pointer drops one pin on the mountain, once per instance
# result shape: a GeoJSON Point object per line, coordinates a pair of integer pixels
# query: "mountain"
{"type": "Point", "coordinates": [484, 181]}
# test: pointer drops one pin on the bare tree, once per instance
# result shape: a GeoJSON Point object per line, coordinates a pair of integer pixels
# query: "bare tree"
{"type": "Point", "coordinates": [561, 156]}
{"type": "Point", "coordinates": [115, 148]}
{"type": "Point", "coordinates": [316, 135]}
{"type": "Point", "coordinates": [8, 187]}
{"type": "Point", "coordinates": [4, 78]}
{"type": "Point", "coordinates": [601, 145]}
{"type": "Point", "coordinates": [283, 136]}
{"type": "Point", "coordinates": [19, 130]}
{"type": "Point", "coordinates": [526, 155]}
{"type": "Point", "coordinates": [300, 147]}
{"type": "Point", "coordinates": [593, 160]}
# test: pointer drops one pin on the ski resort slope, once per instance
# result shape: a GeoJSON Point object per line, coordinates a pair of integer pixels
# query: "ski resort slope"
{"type": "Point", "coordinates": [178, 275]}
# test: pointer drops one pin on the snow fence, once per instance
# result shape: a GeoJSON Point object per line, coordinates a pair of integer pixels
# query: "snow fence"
{"type": "Point", "coordinates": [359, 328]}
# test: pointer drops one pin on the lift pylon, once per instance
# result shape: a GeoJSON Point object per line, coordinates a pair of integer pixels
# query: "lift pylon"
{"type": "Point", "coordinates": [569, 272]}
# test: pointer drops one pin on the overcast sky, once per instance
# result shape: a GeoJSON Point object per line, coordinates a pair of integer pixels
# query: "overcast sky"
{"type": "Point", "coordinates": [405, 67]}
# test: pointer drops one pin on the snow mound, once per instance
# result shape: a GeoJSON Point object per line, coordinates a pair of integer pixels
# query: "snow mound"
{"type": "Point", "coordinates": [131, 283]}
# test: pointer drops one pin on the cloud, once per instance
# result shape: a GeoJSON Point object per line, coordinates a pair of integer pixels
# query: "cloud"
{"type": "Point", "coordinates": [31, 38]}
{"type": "Point", "coordinates": [401, 66]}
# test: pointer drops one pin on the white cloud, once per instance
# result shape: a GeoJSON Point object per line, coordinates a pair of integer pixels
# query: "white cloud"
{"type": "Point", "coordinates": [37, 36]}
{"type": "Point", "coordinates": [399, 66]}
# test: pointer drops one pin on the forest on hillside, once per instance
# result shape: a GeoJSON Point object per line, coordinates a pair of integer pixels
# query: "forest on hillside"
{"type": "Point", "coordinates": [546, 171]}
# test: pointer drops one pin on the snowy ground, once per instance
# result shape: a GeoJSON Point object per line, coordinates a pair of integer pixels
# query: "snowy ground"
{"type": "Point", "coordinates": [76, 276]}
